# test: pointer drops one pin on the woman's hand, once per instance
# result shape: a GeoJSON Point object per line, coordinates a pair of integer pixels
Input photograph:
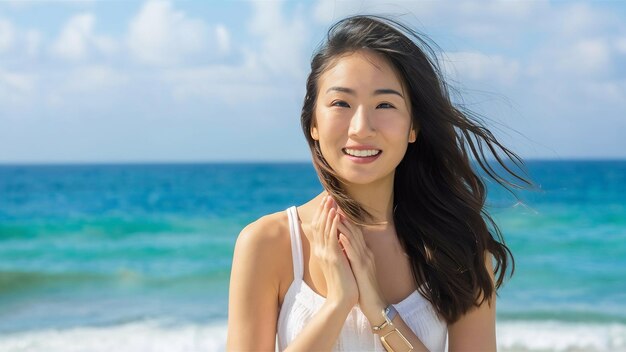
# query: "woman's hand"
{"type": "Point", "coordinates": [371, 299]}
{"type": "Point", "coordinates": [341, 285]}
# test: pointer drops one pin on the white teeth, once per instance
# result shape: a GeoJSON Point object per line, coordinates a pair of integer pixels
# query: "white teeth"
{"type": "Point", "coordinates": [361, 153]}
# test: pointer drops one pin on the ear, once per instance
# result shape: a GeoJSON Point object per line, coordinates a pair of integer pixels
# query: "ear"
{"type": "Point", "coordinates": [315, 133]}
{"type": "Point", "coordinates": [412, 135]}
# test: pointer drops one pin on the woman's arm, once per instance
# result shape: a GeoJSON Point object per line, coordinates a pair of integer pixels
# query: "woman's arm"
{"type": "Point", "coordinates": [254, 287]}
{"type": "Point", "coordinates": [476, 330]}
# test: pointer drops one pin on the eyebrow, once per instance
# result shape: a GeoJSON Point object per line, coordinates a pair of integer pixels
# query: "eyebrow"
{"type": "Point", "coordinates": [376, 92]}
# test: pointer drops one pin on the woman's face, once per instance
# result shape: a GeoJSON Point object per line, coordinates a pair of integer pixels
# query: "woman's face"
{"type": "Point", "coordinates": [361, 106]}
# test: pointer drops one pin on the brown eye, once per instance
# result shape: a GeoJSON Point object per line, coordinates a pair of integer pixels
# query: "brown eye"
{"type": "Point", "coordinates": [385, 106]}
{"type": "Point", "coordinates": [340, 103]}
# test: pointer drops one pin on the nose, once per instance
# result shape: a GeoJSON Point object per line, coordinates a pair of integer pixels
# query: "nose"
{"type": "Point", "coordinates": [360, 125]}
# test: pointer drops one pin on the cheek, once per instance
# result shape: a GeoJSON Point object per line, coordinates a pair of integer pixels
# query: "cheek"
{"type": "Point", "coordinates": [331, 124]}
{"type": "Point", "coordinates": [396, 127]}
{"type": "Point", "coordinates": [331, 135]}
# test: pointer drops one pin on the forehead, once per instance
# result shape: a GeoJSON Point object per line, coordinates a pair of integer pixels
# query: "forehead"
{"type": "Point", "coordinates": [362, 69]}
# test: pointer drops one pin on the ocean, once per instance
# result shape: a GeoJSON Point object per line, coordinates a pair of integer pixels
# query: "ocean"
{"type": "Point", "coordinates": [137, 257]}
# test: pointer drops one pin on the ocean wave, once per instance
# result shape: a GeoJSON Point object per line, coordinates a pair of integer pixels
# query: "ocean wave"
{"type": "Point", "coordinates": [102, 226]}
{"type": "Point", "coordinates": [11, 281]}
{"type": "Point", "coordinates": [154, 335]}
{"type": "Point", "coordinates": [36, 282]}
{"type": "Point", "coordinates": [560, 336]}
{"type": "Point", "coordinates": [163, 335]}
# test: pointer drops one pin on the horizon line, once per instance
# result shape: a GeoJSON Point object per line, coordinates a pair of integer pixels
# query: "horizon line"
{"type": "Point", "coordinates": [200, 162]}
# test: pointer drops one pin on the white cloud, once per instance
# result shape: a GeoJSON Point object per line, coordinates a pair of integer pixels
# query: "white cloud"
{"type": "Point", "coordinates": [7, 35]}
{"type": "Point", "coordinates": [326, 11]}
{"type": "Point", "coordinates": [94, 78]}
{"type": "Point", "coordinates": [557, 61]}
{"type": "Point", "coordinates": [582, 41]}
{"type": "Point", "coordinates": [73, 40]}
{"type": "Point", "coordinates": [77, 38]}
{"type": "Point", "coordinates": [577, 19]}
{"type": "Point", "coordinates": [14, 39]}
{"type": "Point", "coordinates": [16, 88]}
{"type": "Point", "coordinates": [496, 10]}
{"type": "Point", "coordinates": [282, 38]}
{"type": "Point", "coordinates": [89, 85]}
{"type": "Point", "coordinates": [16, 81]}
{"type": "Point", "coordinates": [262, 70]}
{"type": "Point", "coordinates": [588, 55]}
{"type": "Point", "coordinates": [495, 20]}
{"type": "Point", "coordinates": [584, 57]}
{"type": "Point", "coordinates": [160, 35]}
{"type": "Point", "coordinates": [223, 39]}
{"type": "Point", "coordinates": [229, 83]}
{"type": "Point", "coordinates": [481, 67]}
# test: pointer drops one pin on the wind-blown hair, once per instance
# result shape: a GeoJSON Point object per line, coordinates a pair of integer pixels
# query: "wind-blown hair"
{"type": "Point", "coordinates": [438, 198]}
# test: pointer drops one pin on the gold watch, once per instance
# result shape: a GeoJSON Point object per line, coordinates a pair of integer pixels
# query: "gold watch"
{"type": "Point", "coordinates": [389, 313]}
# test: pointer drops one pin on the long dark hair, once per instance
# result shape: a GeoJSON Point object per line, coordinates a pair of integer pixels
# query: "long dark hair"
{"type": "Point", "coordinates": [438, 197]}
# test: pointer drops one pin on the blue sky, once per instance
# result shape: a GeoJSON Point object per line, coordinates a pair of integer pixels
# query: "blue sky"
{"type": "Point", "coordinates": [123, 81]}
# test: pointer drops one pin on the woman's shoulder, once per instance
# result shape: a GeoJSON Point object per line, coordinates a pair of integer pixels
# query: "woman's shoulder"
{"type": "Point", "coordinates": [265, 237]}
{"type": "Point", "coordinates": [267, 230]}
{"type": "Point", "coordinates": [259, 271]}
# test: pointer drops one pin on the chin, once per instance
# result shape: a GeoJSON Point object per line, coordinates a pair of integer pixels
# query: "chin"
{"type": "Point", "coordinates": [360, 178]}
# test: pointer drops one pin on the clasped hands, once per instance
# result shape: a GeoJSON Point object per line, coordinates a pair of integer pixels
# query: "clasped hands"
{"type": "Point", "coordinates": [347, 263]}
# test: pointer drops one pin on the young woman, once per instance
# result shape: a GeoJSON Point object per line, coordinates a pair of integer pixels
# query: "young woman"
{"type": "Point", "coordinates": [394, 254]}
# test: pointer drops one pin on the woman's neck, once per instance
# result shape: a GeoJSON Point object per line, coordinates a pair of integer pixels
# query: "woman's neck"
{"type": "Point", "coordinates": [377, 199]}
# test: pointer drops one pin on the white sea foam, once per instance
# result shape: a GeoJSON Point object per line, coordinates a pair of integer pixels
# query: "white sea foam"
{"type": "Point", "coordinates": [560, 336]}
{"type": "Point", "coordinates": [149, 336]}
{"type": "Point", "coordinates": [155, 336]}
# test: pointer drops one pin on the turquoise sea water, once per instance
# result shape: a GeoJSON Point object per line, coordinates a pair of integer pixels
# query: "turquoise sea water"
{"type": "Point", "coordinates": [130, 257]}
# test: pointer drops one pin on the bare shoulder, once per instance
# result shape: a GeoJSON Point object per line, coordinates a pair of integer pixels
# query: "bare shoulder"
{"type": "Point", "coordinates": [265, 243]}
{"type": "Point", "coordinates": [256, 281]}
{"type": "Point", "coordinates": [267, 232]}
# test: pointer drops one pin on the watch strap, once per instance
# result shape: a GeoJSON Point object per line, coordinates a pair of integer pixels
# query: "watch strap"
{"type": "Point", "coordinates": [388, 314]}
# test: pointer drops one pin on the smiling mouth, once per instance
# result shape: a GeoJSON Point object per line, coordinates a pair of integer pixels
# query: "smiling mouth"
{"type": "Point", "coordinates": [361, 153]}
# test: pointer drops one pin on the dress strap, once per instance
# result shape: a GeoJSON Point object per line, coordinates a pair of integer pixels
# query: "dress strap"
{"type": "Point", "coordinates": [296, 244]}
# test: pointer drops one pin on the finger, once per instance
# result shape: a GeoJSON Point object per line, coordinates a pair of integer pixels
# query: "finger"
{"type": "Point", "coordinates": [318, 211]}
{"type": "Point", "coordinates": [343, 229]}
{"type": "Point", "coordinates": [330, 204]}
{"type": "Point", "coordinates": [348, 249]}
{"type": "Point", "coordinates": [332, 237]}
{"type": "Point", "coordinates": [349, 223]}
{"type": "Point", "coordinates": [316, 216]}
{"type": "Point", "coordinates": [322, 222]}
{"type": "Point", "coordinates": [355, 236]}
{"type": "Point", "coordinates": [332, 213]}
{"type": "Point", "coordinates": [358, 235]}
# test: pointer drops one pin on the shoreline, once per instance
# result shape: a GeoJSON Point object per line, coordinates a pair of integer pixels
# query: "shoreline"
{"type": "Point", "coordinates": [176, 336]}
